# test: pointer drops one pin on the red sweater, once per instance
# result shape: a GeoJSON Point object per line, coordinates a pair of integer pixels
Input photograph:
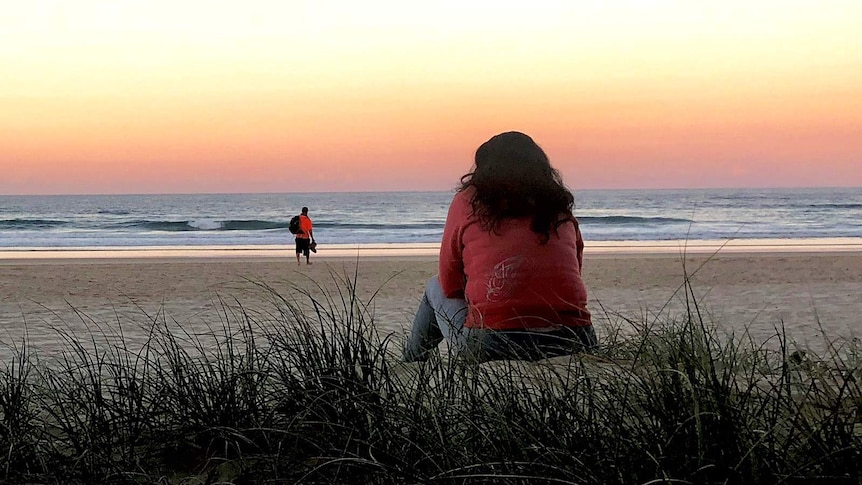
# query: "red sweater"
{"type": "Point", "coordinates": [509, 279]}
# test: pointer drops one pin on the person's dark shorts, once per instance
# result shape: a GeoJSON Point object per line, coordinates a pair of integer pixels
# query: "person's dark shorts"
{"type": "Point", "coordinates": [302, 245]}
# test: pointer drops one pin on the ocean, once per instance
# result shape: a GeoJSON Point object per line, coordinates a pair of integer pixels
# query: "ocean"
{"type": "Point", "coordinates": [203, 220]}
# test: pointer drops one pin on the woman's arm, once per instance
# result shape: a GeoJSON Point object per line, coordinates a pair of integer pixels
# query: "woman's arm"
{"type": "Point", "coordinates": [579, 245]}
{"type": "Point", "coordinates": [451, 265]}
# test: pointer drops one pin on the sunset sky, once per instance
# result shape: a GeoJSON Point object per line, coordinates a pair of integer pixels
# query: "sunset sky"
{"type": "Point", "coordinates": [176, 96]}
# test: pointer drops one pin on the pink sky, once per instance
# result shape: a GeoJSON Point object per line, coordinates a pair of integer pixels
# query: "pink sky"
{"type": "Point", "coordinates": [116, 97]}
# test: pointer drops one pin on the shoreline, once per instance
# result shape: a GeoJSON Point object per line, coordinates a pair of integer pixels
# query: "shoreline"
{"type": "Point", "coordinates": [422, 250]}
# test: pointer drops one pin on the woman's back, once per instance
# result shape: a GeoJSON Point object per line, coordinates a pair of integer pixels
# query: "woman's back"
{"type": "Point", "coordinates": [514, 278]}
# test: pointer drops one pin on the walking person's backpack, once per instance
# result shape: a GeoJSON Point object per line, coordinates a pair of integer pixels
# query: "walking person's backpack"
{"type": "Point", "coordinates": [294, 225]}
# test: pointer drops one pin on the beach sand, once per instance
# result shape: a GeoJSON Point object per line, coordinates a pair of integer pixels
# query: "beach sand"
{"type": "Point", "coordinates": [760, 291]}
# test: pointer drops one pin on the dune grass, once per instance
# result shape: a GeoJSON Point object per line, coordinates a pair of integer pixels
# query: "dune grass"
{"type": "Point", "coordinates": [305, 391]}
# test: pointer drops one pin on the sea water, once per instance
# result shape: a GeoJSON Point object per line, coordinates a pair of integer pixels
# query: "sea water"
{"type": "Point", "coordinates": [193, 225]}
{"type": "Point", "coordinates": [202, 220]}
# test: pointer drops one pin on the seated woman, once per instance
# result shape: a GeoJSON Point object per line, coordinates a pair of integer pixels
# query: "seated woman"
{"type": "Point", "coordinates": [509, 283]}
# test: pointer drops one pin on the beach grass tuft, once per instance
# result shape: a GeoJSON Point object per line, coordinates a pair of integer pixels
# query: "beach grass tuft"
{"type": "Point", "coordinates": [304, 390]}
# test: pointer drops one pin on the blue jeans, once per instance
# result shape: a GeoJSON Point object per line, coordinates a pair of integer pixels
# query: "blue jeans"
{"type": "Point", "coordinates": [439, 317]}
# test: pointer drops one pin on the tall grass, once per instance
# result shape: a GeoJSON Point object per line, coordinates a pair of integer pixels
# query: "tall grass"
{"type": "Point", "coordinates": [303, 390]}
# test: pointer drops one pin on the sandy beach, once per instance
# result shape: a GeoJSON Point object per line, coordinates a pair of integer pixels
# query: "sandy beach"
{"type": "Point", "coordinates": [760, 291]}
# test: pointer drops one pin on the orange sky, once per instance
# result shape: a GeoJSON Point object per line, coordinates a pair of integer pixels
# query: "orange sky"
{"type": "Point", "coordinates": [280, 96]}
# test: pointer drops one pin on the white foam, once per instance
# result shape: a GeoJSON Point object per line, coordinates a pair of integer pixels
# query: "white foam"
{"type": "Point", "coordinates": [206, 224]}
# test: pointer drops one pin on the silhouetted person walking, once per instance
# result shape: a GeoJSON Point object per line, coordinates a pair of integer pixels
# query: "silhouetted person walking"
{"type": "Point", "coordinates": [305, 237]}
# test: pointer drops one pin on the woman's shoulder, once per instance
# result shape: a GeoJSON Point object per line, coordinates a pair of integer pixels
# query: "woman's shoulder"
{"type": "Point", "coordinates": [466, 193]}
{"type": "Point", "coordinates": [463, 199]}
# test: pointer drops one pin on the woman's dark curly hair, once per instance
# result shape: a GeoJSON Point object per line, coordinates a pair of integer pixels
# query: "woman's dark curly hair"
{"type": "Point", "coordinates": [513, 177]}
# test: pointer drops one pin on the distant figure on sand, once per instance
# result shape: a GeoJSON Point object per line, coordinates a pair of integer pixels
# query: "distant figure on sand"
{"type": "Point", "coordinates": [509, 283]}
{"type": "Point", "coordinates": [305, 237]}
